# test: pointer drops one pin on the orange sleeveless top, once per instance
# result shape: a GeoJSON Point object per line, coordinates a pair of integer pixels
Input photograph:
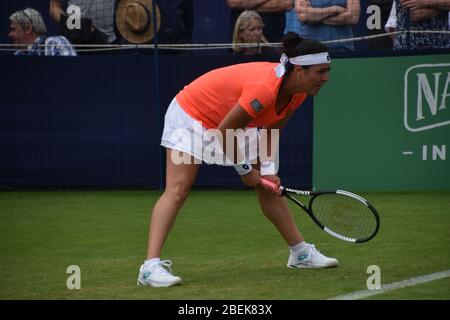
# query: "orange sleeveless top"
{"type": "Point", "coordinates": [253, 85]}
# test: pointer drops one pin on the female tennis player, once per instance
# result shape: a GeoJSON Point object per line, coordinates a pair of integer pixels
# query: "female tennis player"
{"type": "Point", "coordinates": [243, 96]}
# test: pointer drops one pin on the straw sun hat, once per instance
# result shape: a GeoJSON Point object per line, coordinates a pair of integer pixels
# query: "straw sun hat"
{"type": "Point", "coordinates": [134, 20]}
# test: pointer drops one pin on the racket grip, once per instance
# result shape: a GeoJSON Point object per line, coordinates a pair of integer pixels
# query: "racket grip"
{"type": "Point", "coordinates": [271, 185]}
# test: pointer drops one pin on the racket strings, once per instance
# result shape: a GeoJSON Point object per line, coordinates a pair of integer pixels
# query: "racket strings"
{"type": "Point", "coordinates": [344, 215]}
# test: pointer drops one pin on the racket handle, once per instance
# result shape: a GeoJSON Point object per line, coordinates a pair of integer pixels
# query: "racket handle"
{"type": "Point", "coordinates": [271, 185]}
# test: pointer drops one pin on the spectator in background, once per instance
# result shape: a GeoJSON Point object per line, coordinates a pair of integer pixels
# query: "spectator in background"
{"type": "Point", "coordinates": [174, 21]}
{"type": "Point", "coordinates": [212, 25]}
{"type": "Point", "coordinates": [382, 43]}
{"type": "Point", "coordinates": [391, 23]}
{"type": "Point", "coordinates": [420, 15]}
{"type": "Point", "coordinates": [97, 20]}
{"type": "Point", "coordinates": [134, 20]}
{"type": "Point", "coordinates": [28, 34]}
{"type": "Point", "coordinates": [272, 13]}
{"type": "Point", "coordinates": [249, 29]}
{"type": "Point", "coordinates": [325, 20]}
{"type": "Point", "coordinates": [177, 21]}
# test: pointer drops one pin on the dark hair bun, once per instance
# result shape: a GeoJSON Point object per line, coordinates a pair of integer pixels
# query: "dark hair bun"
{"type": "Point", "coordinates": [294, 45]}
{"type": "Point", "coordinates": [290, 41]}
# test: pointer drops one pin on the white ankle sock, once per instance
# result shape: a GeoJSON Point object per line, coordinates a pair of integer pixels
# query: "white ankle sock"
{"type": "Point", "coordinates": [298, 247]}
{"type": "Point", "coordinates": [150, 262]}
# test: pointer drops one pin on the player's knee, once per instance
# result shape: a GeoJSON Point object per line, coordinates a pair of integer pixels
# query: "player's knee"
{"type": "Point", "coordinates": [179, 193]}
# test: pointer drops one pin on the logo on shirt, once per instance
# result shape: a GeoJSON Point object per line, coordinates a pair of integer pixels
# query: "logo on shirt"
{"type": "Point", "coordinates": [256, 105]}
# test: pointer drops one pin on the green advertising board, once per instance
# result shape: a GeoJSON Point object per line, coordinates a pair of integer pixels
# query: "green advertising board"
{"type": "Point", "coordinates": [384, 124]}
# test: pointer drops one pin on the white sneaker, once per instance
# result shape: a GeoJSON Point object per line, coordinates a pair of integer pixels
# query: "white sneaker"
{"type": "Point", "coordinates": [310, 257]}
{"type": "Point", "coordinates": [157, 276]}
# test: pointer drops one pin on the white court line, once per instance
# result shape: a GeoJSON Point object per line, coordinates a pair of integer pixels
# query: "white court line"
{"type": "Point", "coordinates": [393, 286]}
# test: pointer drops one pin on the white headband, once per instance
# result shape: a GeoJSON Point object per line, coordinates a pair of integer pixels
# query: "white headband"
{"type": "Point", "coordinates": [306, 60]}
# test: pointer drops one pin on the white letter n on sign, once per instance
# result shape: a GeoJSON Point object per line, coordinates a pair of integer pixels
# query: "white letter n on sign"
{"type": "Point", "coordinates": [423, 88]}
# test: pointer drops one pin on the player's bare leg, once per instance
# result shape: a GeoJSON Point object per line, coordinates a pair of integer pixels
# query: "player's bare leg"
{"type": "Point", "coordinates": [277, 211]}
{"type": "Point", "coordinates": [179, 181]}
{"type": "Point", "coordinates": [302, 254]}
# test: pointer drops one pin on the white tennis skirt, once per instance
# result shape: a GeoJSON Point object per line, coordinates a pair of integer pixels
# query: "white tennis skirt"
{"type": "Point", "coordinates": [187, 135]}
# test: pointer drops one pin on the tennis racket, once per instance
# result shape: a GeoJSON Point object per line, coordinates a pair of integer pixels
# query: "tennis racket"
{"type": "Point", "coordinates": [342, 214]}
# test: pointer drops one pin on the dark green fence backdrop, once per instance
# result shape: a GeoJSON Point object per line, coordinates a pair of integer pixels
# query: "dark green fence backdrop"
{"type": "Point", "coordinates": [384, 124]}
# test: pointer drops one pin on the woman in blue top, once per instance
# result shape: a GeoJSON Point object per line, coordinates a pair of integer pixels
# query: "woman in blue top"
{"type": "Point", "coordinates": [325, 20]}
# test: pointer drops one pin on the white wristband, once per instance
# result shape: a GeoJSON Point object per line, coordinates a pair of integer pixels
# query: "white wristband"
{"type": "Point", "coordinates": [268, 168]}
{"type": "Point", "coordinates": [243, 169]}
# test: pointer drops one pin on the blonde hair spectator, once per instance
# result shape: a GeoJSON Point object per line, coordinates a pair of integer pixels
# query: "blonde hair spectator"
{"type": "Point", "coordinates": [248, 29]}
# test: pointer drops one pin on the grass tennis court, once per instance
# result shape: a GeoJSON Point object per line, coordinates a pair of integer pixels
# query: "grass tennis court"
{"type": "Point", "coordinates": [221, 245]}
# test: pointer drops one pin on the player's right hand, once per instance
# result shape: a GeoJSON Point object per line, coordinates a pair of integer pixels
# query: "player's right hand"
{"type": "Point", "coordinates": [253, 180]}
{"type": "Point", "coordinates": [273, 190]}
